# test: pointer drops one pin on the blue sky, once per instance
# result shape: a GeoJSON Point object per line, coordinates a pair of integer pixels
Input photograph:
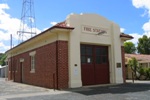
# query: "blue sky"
{"type": "Point", "coordinates": [133, 16]}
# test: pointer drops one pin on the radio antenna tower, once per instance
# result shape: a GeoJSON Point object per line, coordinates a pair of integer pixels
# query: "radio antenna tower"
{"type": "Point", "coordinates": [27, 24]}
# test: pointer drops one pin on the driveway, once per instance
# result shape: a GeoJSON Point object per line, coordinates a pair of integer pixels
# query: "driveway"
{"type": "Point", "coordinates": [16, 91]}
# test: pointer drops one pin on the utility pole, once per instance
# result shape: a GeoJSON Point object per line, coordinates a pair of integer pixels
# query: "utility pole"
{"type": "Point", "coordinates": [11, 69]}
{"type": "Point", "coordinates": [27, 24]}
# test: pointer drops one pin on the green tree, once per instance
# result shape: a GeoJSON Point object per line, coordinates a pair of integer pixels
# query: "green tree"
{"type": "Point", "coordinates": [147, 73]}
{"type": "Point", "coordinates": [133, 64]}
{"type": "Point", "coordinates": [144, 45]}
{"type": "Point", "coordinates": [2, 59]}
{"type": "Point", "coordinates": [129, 47]}
{"type": "Point", "coordinates": [141, 72]}
{"type": "Point", "coordinates": [138, 71]}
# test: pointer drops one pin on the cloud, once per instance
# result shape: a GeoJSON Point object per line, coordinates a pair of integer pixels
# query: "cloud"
{"type": "Point", "coordinates": [53, 23]}
{"type": "Point", "coordinates": [3, 6]}
{"type": "Point", "coordinates": [141, 3]}
{"type": "Point", "coordinates": [10, 25]}
{"type": "Point", "coordinates": [136, 37]}
{"type": "Point", "coordinates": [146, 29]}
{"type": "Point", "coordinates": [122, 30]}
{"type": "Point", "coordinates": [7, 26]}
{"type": "Point", "coordinates": [1, 44]}
{"type": "Point", "coordinates": [146, 26]}
{"type": "Point", "coordinates": [145, 13]}
{"type": "Point", "coordinates": [145, 4]}
{"type": "Point", "coordinates": [3, 47]}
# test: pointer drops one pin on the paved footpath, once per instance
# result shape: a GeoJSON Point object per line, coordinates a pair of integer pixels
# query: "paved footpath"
{"type": "Point", "coordinates": [9, 89]}
{"type": "Point", "coordinates": [16, 91]}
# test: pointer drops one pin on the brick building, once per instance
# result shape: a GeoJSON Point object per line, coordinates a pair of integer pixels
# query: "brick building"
{"type": "Point", "coordinates": [85, 49]}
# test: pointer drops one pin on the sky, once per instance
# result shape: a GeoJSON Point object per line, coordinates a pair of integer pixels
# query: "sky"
{"type": "Point", "coordinates": [133, 16]}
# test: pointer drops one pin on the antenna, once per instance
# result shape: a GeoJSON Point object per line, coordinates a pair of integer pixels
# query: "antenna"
{"type": "Point", "coordinates": [27, 24]}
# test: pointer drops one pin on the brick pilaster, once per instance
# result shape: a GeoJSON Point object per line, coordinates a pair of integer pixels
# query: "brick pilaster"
{"type": "Point", "coordinates": [123, 64]}
{"type": "Point", "coordinates": [62, 64]}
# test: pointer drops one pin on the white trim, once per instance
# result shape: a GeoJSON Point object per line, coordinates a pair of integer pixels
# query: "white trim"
{"type": "Point", "coordinates": [32, 71]}
{"type": "Point", "coordinates": [32, 53]}
{"type": "Point", "coordinates": [32, 66]}
{"type": "Point", "coordinates": [21, 59]}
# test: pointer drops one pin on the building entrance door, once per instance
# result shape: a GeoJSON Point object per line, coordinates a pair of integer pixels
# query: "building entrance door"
{"type": "Point", "coordinates": [21, 72]}
{"type": "Point", "coordinates": [94, 65]}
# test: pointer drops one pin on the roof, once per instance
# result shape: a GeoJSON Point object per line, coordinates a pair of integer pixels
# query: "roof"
{"type": "Point", "coordinates": [61, 25]}
{"type": "Point", "coordinates": [126, 36]}
{"type": "Point", "coordinates": [139, 57]}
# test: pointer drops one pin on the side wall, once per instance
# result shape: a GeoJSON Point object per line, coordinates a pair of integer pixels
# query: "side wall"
{"type": "Point", "coordinates": [123, 64]}
{"type": "Point", "coordinates": [51, 66]}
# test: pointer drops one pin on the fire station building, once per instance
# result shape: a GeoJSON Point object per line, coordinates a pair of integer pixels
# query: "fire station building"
{"type": "Point", "coordinates": [85, 49]}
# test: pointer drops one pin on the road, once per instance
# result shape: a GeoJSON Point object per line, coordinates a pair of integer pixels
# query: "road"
{"type": "Point", "coordinates": [16, 91]}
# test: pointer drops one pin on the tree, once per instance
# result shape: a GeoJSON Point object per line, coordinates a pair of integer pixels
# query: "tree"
{"type": "Point", "coordinates": [133, 64]}
{"type": "Point", "coordinates": [141, 72]}
{"type": "Point", "coordinates": [2, 59]}
{"type": "Point", "coordinates": [144, 71]}
{"type": "Point", "coordinates": [129, 47]}
{"type": "Point", "coordinates": [138, 71]}
{"type": "Point", "coordinates": [147, 73]}
{"type": "Point", "coordinates": [144, 45]}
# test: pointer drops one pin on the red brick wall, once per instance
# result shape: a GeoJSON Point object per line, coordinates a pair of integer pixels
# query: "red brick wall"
{"type": "Point", "coordinates": [62, 64]}
{"type": "Point", "coordinates": [123, 64]}
{"type": "Point", "coordinates": [50, 60]}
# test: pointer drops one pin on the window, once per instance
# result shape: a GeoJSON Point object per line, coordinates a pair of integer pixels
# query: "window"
{"type": "Point", "coordinates": [32, 61]}
{"type": "Point", "coordinates": [101, 55]}
{"type": "Point", "coordinates": [94, 54]}
{"type": "Point", "coordinates": [98, 60]}
{"type": "Point", "coordinates": [86, 54]}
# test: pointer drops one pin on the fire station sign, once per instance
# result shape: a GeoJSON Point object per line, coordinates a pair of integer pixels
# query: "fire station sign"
{"type": "Point", "coordinates": [94, 30]}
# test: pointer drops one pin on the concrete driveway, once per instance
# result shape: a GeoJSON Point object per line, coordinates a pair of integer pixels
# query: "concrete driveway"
{"type": "Point", "coordinates": [16, 91]}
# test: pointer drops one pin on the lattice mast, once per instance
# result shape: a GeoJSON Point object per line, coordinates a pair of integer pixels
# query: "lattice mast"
{"type": "Point", "coordinates": [27, 24]}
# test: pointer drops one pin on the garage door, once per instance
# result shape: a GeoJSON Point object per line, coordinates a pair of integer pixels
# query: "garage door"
{"type": "Point", "coordinates": [94, 65]}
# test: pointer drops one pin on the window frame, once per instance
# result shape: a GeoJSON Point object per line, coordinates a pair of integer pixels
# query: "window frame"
{"type": "Point", "coordinates": [86, 54]}
{"type": "Point", "coordinates": [97, 54]}
{"type": "Point", "coordinates": [32, 61]}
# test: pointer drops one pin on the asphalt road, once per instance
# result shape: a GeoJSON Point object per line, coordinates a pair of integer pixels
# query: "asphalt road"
{"type": "Point", "coordinates": [16, 91]}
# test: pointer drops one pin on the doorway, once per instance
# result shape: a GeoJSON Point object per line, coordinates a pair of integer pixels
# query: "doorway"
{"type": "Point", "coordinates": [94, 65]}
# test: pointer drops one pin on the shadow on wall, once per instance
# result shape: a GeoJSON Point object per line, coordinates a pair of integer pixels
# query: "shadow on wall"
{"type": "Point", "coordinates": [115, 89]}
